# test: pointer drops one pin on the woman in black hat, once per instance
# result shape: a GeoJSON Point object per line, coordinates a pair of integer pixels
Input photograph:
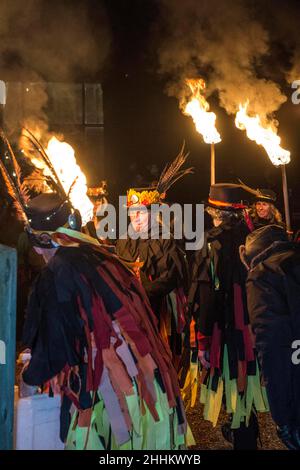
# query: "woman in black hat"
{"type": "Point", "coordinates": [263, 211]}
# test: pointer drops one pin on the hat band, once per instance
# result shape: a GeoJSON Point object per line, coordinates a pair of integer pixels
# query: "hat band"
{"type": "Point", "coordinates": [227, 204]}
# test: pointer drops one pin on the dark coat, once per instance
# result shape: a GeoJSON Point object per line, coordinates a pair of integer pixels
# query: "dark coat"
{"type": "Point", "coordinates": [215, 270]}
{"type": "Point", "coordinates": [75, 302]}
{"type": "Point", "coordinates": [164, 268]}
{"type": "Point", "coordinates": [273, 292]}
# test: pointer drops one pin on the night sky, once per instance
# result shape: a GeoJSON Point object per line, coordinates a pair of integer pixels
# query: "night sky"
{"type": "Point", "coordinates": [144, 125]}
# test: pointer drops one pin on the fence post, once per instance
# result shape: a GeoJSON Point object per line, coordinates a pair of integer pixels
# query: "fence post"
{"type": "Point", "coordinates": [8, 287]}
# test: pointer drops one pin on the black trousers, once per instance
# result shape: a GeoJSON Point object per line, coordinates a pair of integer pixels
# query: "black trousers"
{"type": "Point", "coordinates": [245, 438]}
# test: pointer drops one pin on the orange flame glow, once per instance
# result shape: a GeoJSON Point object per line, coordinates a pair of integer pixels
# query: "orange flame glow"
{"type": "Point", "coordinates": [198, 109]}
{"type": "Point", "coordinates": [63, 159]}
{"type": "Point", "coordinates": [265, 136]}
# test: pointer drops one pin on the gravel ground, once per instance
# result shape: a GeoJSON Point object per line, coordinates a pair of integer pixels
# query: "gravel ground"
{"type": "Point", "coordinates": [209, 438]}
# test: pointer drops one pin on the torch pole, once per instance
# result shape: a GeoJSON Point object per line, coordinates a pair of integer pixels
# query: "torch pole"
{"type": "Point", "coordinates": [286, 200]}
{"type": "Point", "coordinates": [212, 164]}
{"type": "Point", "coordinates": [2, 102]}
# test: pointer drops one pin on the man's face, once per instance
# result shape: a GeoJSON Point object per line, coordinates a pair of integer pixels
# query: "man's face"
{"type": "Point", "coordinates": [263, 209]}
{"type": "Point", "coordinates": [139, 220]}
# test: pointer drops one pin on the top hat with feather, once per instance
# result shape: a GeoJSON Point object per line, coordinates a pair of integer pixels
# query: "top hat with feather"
{"type": "Point", "coordinates": [266, 195]}
{"type": "Point", "coordinates": [230, 196]}
{"type": "Point", "coordinates": [46, 212]}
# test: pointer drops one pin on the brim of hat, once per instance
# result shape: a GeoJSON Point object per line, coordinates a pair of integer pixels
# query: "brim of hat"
{"type": "Point", "coordinates": [139, 207]}
{"type": "Point", "coordinates": [228, 208]}
{"type": "Point", "coordinates": [265, 199]}
{"type": "Point", "coordinates": [136, 208]}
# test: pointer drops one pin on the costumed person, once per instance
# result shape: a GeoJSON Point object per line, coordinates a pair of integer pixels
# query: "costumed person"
{"type": "Point", "coordinates": [263, 210]}
{"type": "Point", "coordinates": [163, 269]}
{"type": "Point", "coordinates": [222, 338]}
{"type": "Point", "coordinates": [273, 294]}
{"type": "Point", "coordinates": [93, 335]}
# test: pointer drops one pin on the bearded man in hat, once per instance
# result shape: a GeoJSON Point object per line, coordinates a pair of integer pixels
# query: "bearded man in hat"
{"type": "Point", "coordinates": [222, 335]}
{"type": "Point", "coordinates": [273, 293]}
{"type": "Point", "coordinates": [92, 334]}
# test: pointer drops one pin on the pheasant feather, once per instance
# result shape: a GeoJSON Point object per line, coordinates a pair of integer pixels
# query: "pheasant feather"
{"type": "Point", "coordinates": [38, 146]}
{"type": "Point", "coordinates": [13, 192]}
{"type": "Point", "coordinates": [172, 172]}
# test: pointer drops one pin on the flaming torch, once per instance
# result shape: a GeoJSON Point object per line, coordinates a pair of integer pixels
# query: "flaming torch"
{"type": "Point", "coordinates": [268, 138]}
{"type": "Point", "coordinates": [198, 109]}
{"type": "Point", "coordinates": [63, 159]}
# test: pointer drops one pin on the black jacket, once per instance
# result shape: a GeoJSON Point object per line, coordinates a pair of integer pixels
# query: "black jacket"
{"type": "Point", "coordinates": [273, 292]}
{"type": "Point", "coordinates": [164, 268]}
{"type": "Point", "coordinates": [218, 262]}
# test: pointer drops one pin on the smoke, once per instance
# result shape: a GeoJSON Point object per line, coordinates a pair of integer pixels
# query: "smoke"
{"type": "Point", "coordinates": [283, 27]}
{"type": "Point", "coordinates": [224, 43]}
{"type": "Point", "coordinates": [42, 41]}
{"type": "Point", "coordinates": [294, 73]}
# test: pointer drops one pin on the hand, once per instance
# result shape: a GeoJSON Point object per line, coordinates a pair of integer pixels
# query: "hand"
{"type": "Point", "coordinates": [203, 357]}
{"type": "Point", "coordinates": [26, 390]}
{"type": "Point", "coordinates": [55, 385]}
{"type": "Point", "coordinates": [24, 357]}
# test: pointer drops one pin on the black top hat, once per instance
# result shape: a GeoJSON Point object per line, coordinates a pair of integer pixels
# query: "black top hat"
{"type": "Point", "coordinates": [230, 196]}
{"type": "Point", "coordinates": [47, 212]}
{"type": "Point", "coordinates": [266, 195]}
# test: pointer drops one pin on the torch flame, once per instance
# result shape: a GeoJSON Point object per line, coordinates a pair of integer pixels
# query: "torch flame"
{"type": "Point", "coordinates": [63, 159]}
{"type": "Point", "coordinates": [198, 109]}
{"type": "Point", "coordinates": [265, 136]}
